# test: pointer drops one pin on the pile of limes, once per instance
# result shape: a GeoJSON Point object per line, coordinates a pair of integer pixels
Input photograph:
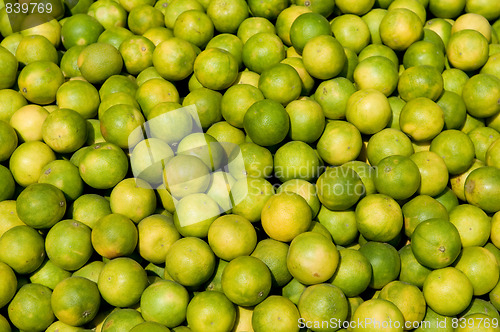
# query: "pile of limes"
{"type": "Point", "coordinates": [259, 165]}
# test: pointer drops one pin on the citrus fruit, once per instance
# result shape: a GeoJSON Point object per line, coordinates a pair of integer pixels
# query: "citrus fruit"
{"type": "Point", "coordinates": [420, 81]}
{"type": "Point", "coordinates": [419, 209]}
{"type": "Point", "coordinates": [472, 223]}
{"type": "Point", "coordinates": [285, 209]}
{"type": "Point", "coordinates": [307, 26]}
{"type": "Point", "coordinates": [400, 28]}
{"type": "Point", "coordinates": [194, 214]}
{"type": "Point", "coordinates": [35, 48]}
{"type": "Point", "coordinates": [385, 263]}
{"type": "Point", "coordinates": [339, 188]}
{"type": "Point", "coordinates": [480, 94]}
{"type": "Point", "coordinates": [9, 140]}
{"type": "Point", "coordinates": [90, 271]}
{"type": "Point", "coordinates": [122, 281]}
{"type": "Point", "coordinates": [352, 281]}
{"type": "Point", "coordinates": [64, 130]}
{"type": "Point", "coordinates": [150, 326]}
{"type": "Point", "coordinates": [339, 143]}
{"type": "Point", "coordinates": [467, 50]}
{"type": "Point", "coordinates": [227, 17]}
{"type": "Point", "coordinates": [454, 80]}
{"type": "Point", "coordinates": [388, 142]}
{"type": "Point", "coordinates": [409, 300]}
{"type": "Point", "coordinates": [312, 258]}
{"type": "Point", "coordinates": [266, 122]}
{"type": "Point", "coordinates": [99, 61]}
{"type": "Point", "coordinates": [376, 314]}
{"type": "Point", "coordinates": [89, 208]}
{"type": "Point", "coordinates": [210, 311]}
{"type": "Point", "coordinates": [165, 302]}
{"type": "Point", "coordinates": [411, 270]}
{"type": "Point", "coordinates": [117, 83]}
{"type": "Point", "coordinates": [453, 284]}
{"type": "Point", "coordinates": [473, 21]}
{"type": "Point", "coordinates": [376, 72]}
{"type": "Point", "coordinates": [204, 147]}
{"type": "Point", "coordinates": [262, 51]}
{"type": "Point", "coordinates": [81, 29]}
{"type": "Point", "coordinates": [307, 120]}
{"type": "Point", "coordinates": [208, 105]}
{"type": "Point", "coordinates": [296, 160]}
{"type": "Point", "coordinates": [75, 301]}
{"type": "Point", "coordinates": [30, 308]}
{"type": "Point", "coordinates": [480, 267]}
{"type": "Point", "coordinates": [481, 187]}
{"type": "Point", "coordinates": [220, 188]}
{"type": "Point", "coordinates": [133, 198]}
{"type": "Point", "coordinates": [454, 109]}
{"type": "Point", "coordinates": [446, 8]}
{"type": "Point", "coordinates": [378, 218]}
{"type": "Point", "coordinates": [433, 172]}
{"type": "Point", "coordinates": [398, 177]}
{"type": "Point", "coordinates": [332, 95]}
{"type": "Point", "coordinates": [147, 159]}
{"type": "Point", "coordinates": [156, 234]}
{"type": "Point", "coordinates": [9, 216]}
{"type": "Point", "coordinates": [483, 138]}
{"type": "Point", "coordinates": [27, 161]}
{"type": "Point", "coordinates": [269, 10]}
{"type": "Point", "coordinates": [456, 149]}
{"type": "Point", "coordinates": [436, 322]}
{"type": "Point", "coordinates": [8, 184]}
{"type": "Point", "coordinates": [250, 196]}
{"type": "Point", "coordinates": [231, 236]}
{"type": "Point", "coordinates": [137, 54]}
{"type": "Point", "coordinates": [253, 25]}
{"type": "Point", "coordinates": [169, 115]}
{"type": "Point", "coordinates": [114, 235]}
{"type": "Point", "coordinates": [351, 31]}
{"type": "Point", "coordinates": [322, 303]}
{"type": "Point", "coordinates": [39, 81]}
{"type": "Point", "coordinates": [285, 20]}
{"type": "Point", "coordinates": [27, 122]}
{"type": "Point", "coordinates": [175, 8]}
{"type": "Point", "coordinates": [246, 281]}
{"type": "Point", "coordinates": [190, 261]}
{"type": "Point", "coordinates": [68, 244]}
{"type": "Point", "coordinates": [274, 254]}
{"type": "Point", "coordinates": [281, 83]}
{"type": "Point", "coordinates": [41, 197]}
{"type": "Point", "coordinates": [424, 53]}
{"type": "Point", "coordinates": [215, 68]}
{"type": "Point", "coordinates": [9, 287]}
{"type": "Point", "coordinates": [236, 101]}
{"type": "Point", "coordinates": [324, 57]}
{"type": "Point", "coordinates": [436, 243]}
{"type": "Point", "coordinates": [418, 111]}
{"type": "Point", "coordinates": [276, 312]}
{"type": "Point", "coordinates": [9, 68]}
{"type": "Point", "coordinates": [108, 14]}
{"type": "Point", "coordinates": [121, 319]}
{"type": "Point", "coordinates": [121, 124]}
{"type": "Point", "coordinates": [340, 224]}
{"type": "Point", "coordinates": [113, 36]}
{"type": "Point", "coordinates": [369, 110]}
{"type": "Point", "coordinates": [103, 165]}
